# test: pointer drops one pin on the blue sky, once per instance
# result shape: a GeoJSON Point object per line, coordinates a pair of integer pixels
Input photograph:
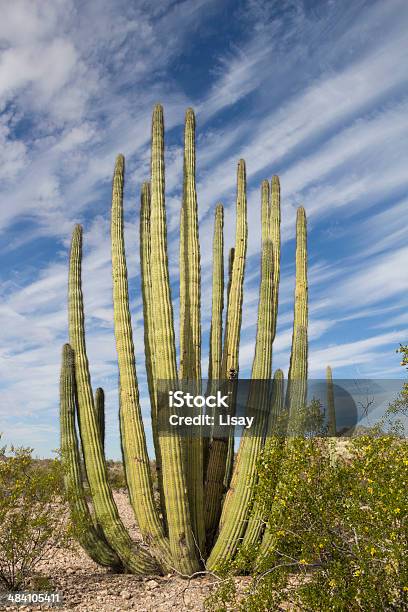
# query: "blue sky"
{"type": "Point", "coordinates": [313, 91]}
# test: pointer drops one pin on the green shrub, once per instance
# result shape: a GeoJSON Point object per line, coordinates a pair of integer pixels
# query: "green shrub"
{"type": "Point", "coordinates": [338, 525]}
{"type": "Point", "coordinates": [116, 475]}
{"type": "Point", "coordinates": [33, 517]}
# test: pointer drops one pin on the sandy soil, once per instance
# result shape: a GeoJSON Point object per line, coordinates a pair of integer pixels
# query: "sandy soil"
{"type": "Point", "coordinates": [86, 586]}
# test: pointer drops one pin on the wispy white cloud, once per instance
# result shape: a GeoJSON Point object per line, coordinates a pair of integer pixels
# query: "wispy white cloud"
{"type": "Point", "coordinates": [318, 96]}
{"type": "Point", "coordinates": [359, 352]}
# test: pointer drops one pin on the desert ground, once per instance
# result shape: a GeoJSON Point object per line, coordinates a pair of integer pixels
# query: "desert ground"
{"type": "Point", "coordinates": [86, 586]}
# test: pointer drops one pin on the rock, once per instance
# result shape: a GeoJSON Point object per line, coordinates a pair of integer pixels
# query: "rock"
{"type": "Point", "coordinates": [152, 584]}
{"type": "Point", "coordinates": [125, 595]}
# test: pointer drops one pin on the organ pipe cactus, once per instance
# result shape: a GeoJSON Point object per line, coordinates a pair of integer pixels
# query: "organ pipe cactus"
{"type": "Point", "coordinates": [145, 265]}
{"type": "Point", "coordinates": [330, 403]}
{"type": "Point", "coordinates": [235, 509]}
{"type": "Point", "coordinates": [181, 537]}
{"type": "Point", "coordinates": [215, 352]}
{"type": "Point", "coordinates": [219, 462]}
{"type": "Point", "coordinates": [184, 532]}
{"type": "Point", "coordinates": [190, 325]}
{"type": "Point", "coordinates": [133, 438]}
{"type": "Point", "coordinates": [296, 392]}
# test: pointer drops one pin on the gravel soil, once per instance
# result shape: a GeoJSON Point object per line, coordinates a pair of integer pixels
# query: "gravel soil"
{"type": "Point", "coordinates": [86, 586]}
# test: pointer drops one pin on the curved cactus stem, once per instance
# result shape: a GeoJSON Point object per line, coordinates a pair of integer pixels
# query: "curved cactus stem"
{"type": "Point", "coordinates": [215, 352]}
{"type": "Point", "coordinates": [190, 325]}
{"type": "Point", "coordinates": [256, 522]}
{"type": "Point", "coordinates": [100, 413]}
{"type": "Point", "coordinates": [332, 428]}
{"type": "Point", "coordinates": [182, 544]}
{"type": "Point", "coordinates": [132, 556]}
{"type": "Point", "coordinates": [296, 393]}
{"type": "Point", "coordinates": [222, 451]}
{"type": "Point", "coordinates": [90, 537]}
{"type": "Point", "coordinates": [236, 505]}
{"type": "Point", "coordinates": [145, 264]}
{"type": "Point", "coordinates": [133, 437]}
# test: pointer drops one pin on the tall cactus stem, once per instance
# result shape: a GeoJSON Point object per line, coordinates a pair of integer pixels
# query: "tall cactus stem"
{"type": "Point", "coordinates": [215, 352]}
{"type": "Point", "coordinates": [182, 544]}
{"type": "Point", "coordinates": [190, 326]}
{"type": "Point", "coordinates": [133, 557]}
{"type": "Point", "coordinates": [215, 356]}
{"type": "Point", "coordinates": [134, 441]}
{"type": "Point", "coordinates": [297, 377]}
{"type": "Point", "coordinates": [234, 314]}
{"type": "Point", "coordinates": [146, 282]}
{"type": "Point", "coordinates": [275, 236]}
{"type": "Point", "coordinates": [235, 511]}
{"type": "Point", "coordinates": [222, 451]}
